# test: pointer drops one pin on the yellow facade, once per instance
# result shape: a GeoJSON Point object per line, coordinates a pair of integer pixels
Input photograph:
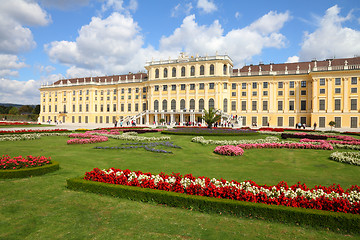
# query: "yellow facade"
{"type": "Point", "coordinates": [275, 95]}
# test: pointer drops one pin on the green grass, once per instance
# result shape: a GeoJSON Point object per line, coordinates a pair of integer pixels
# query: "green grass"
{"type": "Point", "coordinates": [26, 126]}
{"type": "Point", "coordinates": [42, 208]}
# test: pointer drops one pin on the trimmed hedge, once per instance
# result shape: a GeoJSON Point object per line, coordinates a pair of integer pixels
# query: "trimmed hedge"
{"type": "Point", "coordinates": [28, 172]}
{"type": "Point", "coordinates": [308, 136]}
{"type": "Point", "coordinates": [309, 217]}
{"type": "Point", "coordinates": [208, 134]}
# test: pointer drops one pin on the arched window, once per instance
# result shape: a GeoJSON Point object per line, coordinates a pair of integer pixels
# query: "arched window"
{"type": "Point", "coordinates": [173, 72]}
{"type": "Point", "coordinates": [211, 103]}
{"type": "Point", "coordinates": [202, 71]}
{"type": "Point", "coordinates": [165, 72]}
{"type": "Point", "coordinates": [156, 105]}
{"type": "Point", "coordinates": [157, 73]}
{"type": "Point", "coordinates": [192, 71]}
{"type": "Point", "coordinates": [192, 104]}
{"type": "Point", "coordinates": [183, 71]}
{"type": "Point", "coordinates": [212, 69]}
{"type": "Point", "coordinates": [225, 69]}
{"type": "Point", "coordinates": [225, 105]}
{"type": "Point", "coordinates": [173, 104]}
{"type": "Point", "coordinates": [201, 104]}
{"type": "Point", "coordinates": [182, 104]}
{"type": "Point", "coordinates": [164, 105]}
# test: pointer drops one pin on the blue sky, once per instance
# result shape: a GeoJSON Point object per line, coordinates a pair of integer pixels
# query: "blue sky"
{"type": "Point", "coordinates": [47, 40]}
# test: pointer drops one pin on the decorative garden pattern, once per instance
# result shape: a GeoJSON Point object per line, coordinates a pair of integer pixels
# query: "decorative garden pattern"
{"type": "Point", "coordinates": [148, 146]}
{"type": "Point", "coordinates": [20, 162]}
{"type": "Point", "coordinates": [346, 157]}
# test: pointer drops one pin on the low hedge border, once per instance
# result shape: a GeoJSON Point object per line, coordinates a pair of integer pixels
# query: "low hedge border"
{"type": "Point", "coordinates": [27, 172]}
{"type": "Point", "coordinates": [207, 134]}
{"type": "Point", "coordinates": [314, 218]}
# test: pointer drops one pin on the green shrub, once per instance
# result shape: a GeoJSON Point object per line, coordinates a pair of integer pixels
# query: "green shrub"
{"type": "Point", "coordinates": [28, 172]}
{"type": "Point", "coordinates": [300, 216]}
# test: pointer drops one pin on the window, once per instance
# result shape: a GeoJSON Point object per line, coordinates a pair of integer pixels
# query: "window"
{"type": "Point", "coordinates": [353, 90]}
{"type": "Point", "coordinates": [292, 84]}
{"type": "Point", "coordinates": [243, 105]}
{"type": "Point", "coordinates": [254, 93]}
{"type": "Point", "coordinates": [108, 92]}
{"type": "Point", "coordinates": [303, 83]}
{"type": "Point", "coordinates": [291, 93]}
{"type": "Point", "coordinates": [254, 105]}
{"type": "Point", "coordinates": [280, 84]}
{"type": "Point", "coordinates": [79, 119]}
{"type": "Point", "coordinates": [101, 108]}
{"type": "Point", "coordinates": [225, 69]}
{"type": "Point", "coordinates": [108, 107]}
{"type": "Point", "coordinates": [303, 105]}
{"type": "Point", "coordinates": [202, 71]}
{"type": "Point", "coordinates": [73, 108]}
{"type": "Point", "coordinates": [337, 90]}
{"type": "Point", "coordinates": [280, 121]}
{"type": "Point", "coordinates": [337, 81]}
{"type": "Point", "coordinates": [303, 92]}
{"type": "Point", "coordinates": [322, 104]}
{"type": "Point", "coordinates": [122, 91]}
{"type": "Point", "coordinates": [164, 105]}
{"type": "Point", "coordinates": [265, 85]}
{"type": "Point", "coordinates": [243, 86]}
{"type": "Point", "coordinates": [182, 104]}
{"type": "Point", "coordinates": [43, 109]}
{"type": "Point", "coordinates": [265, 105]}
{"type": "Point", "coordinates": [233, 105]}
{"type": "Point", "coordinates": [322, 90]}
{"type": "Point", "coordinates": [212, 69]}
{"type": "Point", "coordinates": [265, 121]}
{"type": "Point", "coordinates": [80, 92]}
{"type": "Point", "coordinates": [192, 104]}
{"type": "Point", "coordinates": [136, 107]}
{"type": "Point", "coordinates": [353, 122]}
{"type": "Point", "coordinates": [192, 71]}
{"type": "Point", "coordinates": [353, 104]}
{"type": "Point", "coordinates": [291, 121]}
{"type": "Point", "coordinates": [49, 108]}
{"type": "Point", "coordinates": [211, 103]}
{"type": "Point", "coordinates": [322, 122]}
{"type": "Point", "coordinates": [192, 86]}
{"type": "Point", "coordinates": [265, 93]}
{"type": "Point", "coordinates": [157, 73]}
{"type": "Point", "coordinates": [114, 91]}
{"type": "Point", "coordinates": [244, 120]}
{"type": "Point", "coordinates": [129, 97]}
{"type": "Point", "coordinates": [201, 104]}
{"type": "Point", "coordinates": [165, 72]}
{"type": "Point", "coordinates": [322, 81]}
{"type": "Point", "coordinates": [291, 105]}
{"type": "Point", "coordinates": [122, 107]}
{"type": "Point", "coordinates": [225, 85]}
{"type": "Point", "coordinates": [108, 98]}
{"type": "Point", "coordinates": [254, 85]}
{"type": "Point", "coordinates": [122, 98]}
{"type": "Point", "coordinates": [233, 94]}
{"type": "Point", "coordinates": [338, 122]}
{"type": "Point", "coordinates": [144, 89]}
{"type": "Point", "coordinates": [114, 107]}
{"type": "Point", "coordinates": [337, 104]}
{"type": "Point", "coordinates": [156, 105]}
{"type": "Point", "coordinates": [87, 107]}
{"type": "Point", "coordinates": [183, 71]}
{"type": "Point", "coordinates": [280, 105]}
{"type": "Point", "coordinates": [211, 85]}
{"type": "Point", "coordinates": [55, 108]}
{"type": "Point", "coordinates": [182, 86]}
{"type": "Point", "coordinates": [137, 90]}
{"type": "Point", "coordinates": [173, 104]}
{"type": "Point", "coordinates": [225, 105]}
{"type": "Point", "coordinates": [165, 87]}
{"type": "Point", "coordinates": [129, 90]}
{"type": "Point", "coordinates": [201, 86]}
{"type": "Point", "coordinates": [173, 72]}
{"type": "Point", "coordinates": [144, 107]}
{"type": "Point", "coordinates": [353, 80]}
{"type": "Point", "coordinates": [243, 94]}
{"type": "Point", "coordinates": [95, 107]}
{"type": "Point", "coordinates": [280, 93]}
{"type": "Point", "coordinates": [233, 86]}
{"type": "Point", "coordinates": [129, 107]}
{"type": "Point", "coordinates": [156, 88]}
{"type": "Point", "coordinates": [254, 121]}
{"type": "Point", "coordinates": [173, 87]}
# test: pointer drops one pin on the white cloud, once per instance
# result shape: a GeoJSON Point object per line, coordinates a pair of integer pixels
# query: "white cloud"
{"type": "Point", "coordinates": [206, 6]}
{"type": "Point", "coordinates": [8, 63]}
{"type": "Point", "coordinates": [181, 9]}
{"type": "Point", "coordinates": [133, 5]}
{"type": "Point", "coordinates": [293, 59]}
{"type": "Point", "coordinates": [20, 92]}
{"type": "Point", "coordinates": [331, 38]}
{"type": "Point", "coordinates": [237, 15]}
{"type": "Point", "coordinates": [271, 22]}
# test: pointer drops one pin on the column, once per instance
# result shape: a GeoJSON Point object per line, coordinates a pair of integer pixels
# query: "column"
{"type": "Point", "coordinates": [345, 91]}
{"type": "Point", "coordinates": [147, 119]}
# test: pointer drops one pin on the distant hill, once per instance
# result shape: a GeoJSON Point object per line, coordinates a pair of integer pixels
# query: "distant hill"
{"type": "Point", "coordinates": [14, 105]}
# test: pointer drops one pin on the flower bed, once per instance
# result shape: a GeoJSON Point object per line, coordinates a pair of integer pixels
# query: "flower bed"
{"type": "Point", "coordinates": [132, 136]}
{"type": "Point", "coordinates": [229, 150]}
{"type": "Point", "coordinates": [13, 123]}
{"type": "Point", "coordinates": [271, 129]}
{"type": "Point", "coordinates": [346, 157]}
{"type": "Point", "coordinates": [93, 139]}
{"type": "Point", "coordinates": [332, 198]}
{"type": "Point", "coordinates": [206, 131]}
{"type": "Point", "coordinates": [148, 146]}
{"type": "Point", "coordinates": [204, 141]}
{"type": "Point", "coordinates": [294, 145]}
{"type": "Point", "coordinates": [20, 162]}
{"type": "Point", "coordinates": [33, 131]}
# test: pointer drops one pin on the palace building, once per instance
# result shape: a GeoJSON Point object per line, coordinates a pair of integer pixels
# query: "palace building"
{"type": "Point", "coordinates": [178, 90]}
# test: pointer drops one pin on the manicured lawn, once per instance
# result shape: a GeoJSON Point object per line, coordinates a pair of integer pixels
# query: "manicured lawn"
{"type": "Point", "coordinates": [25, 126]}
{"type": "Point", "coordinates": [42, 208]}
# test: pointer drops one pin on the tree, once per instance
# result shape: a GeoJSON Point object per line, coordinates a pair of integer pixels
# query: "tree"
{"type": "Point", "coordinates": [211, 117]}
{"type": "Point", "coordinates": [25, 109]}
{"type": "Point", "coordinates": [162, 121]}
{"type": "Point", "coordinates": [14, 111]}
{"type": "Point", "coordinates": [332, 124]}
{"type": "Point", "coordinates": [36, 110]}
